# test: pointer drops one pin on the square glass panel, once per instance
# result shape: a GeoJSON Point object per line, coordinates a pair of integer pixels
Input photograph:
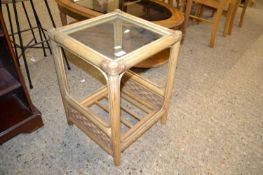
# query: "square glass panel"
{"type": "Point", "coordinates": [115, 38]}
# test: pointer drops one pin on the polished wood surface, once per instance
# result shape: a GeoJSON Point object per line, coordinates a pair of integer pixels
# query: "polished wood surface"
{"type": "Point", "coordinates": [17, 113]}
{"type": "Point", "coordinates": [69, 8]}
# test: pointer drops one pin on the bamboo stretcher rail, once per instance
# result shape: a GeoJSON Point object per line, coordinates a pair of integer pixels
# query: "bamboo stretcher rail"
{"type": "Point", "coordinates": [136, 126]}
{"type": "Point", "coordinates": [99, 94]}
{"type": "Point", "coordinates": [140, 130]}
{"type": "Point", "coordinates": [126, 123]}
{"type": "Point", "coordinates": [131, 113]}
{"type": "Point", "coordinates": [138, 102]}
{"type": "Point", "coordinates": [134, 115]}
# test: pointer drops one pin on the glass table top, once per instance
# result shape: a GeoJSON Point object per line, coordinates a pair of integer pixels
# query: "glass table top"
{"type": "Point", "coordinates": [115, 38]}
{"type": "Point", "coordinates": [145, 9]}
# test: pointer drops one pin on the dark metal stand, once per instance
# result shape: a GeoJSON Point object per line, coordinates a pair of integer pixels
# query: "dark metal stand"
{"type": "Point", "coordinates": [54, 25]}
{"type": "Point", "coordinates": [21, 44]}
{"type": "Point", "coordinates": [34, 43]}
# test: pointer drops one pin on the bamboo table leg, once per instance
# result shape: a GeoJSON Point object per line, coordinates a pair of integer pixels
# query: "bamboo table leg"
{"type": "Point", "coordinates": [114, 107]}
{"type": "Point", "coordinates": [62, 78]}
{"type": "Point", "coordinates": [170, 80]}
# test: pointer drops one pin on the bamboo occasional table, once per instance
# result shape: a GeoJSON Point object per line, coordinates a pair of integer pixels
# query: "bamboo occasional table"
{"type": "Point", "coordinates": [130, 40]}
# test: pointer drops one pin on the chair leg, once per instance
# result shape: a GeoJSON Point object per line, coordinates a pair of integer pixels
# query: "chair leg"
{"type": "Point", "coordinates": [234, 11]}
{"type": "Point", "coordinates": [199, 12]}
{"type": "Point", "coordinates": [12, 31]}
{"type": "Point", "coordinates": [215, 26]}
{"type": "Point", "coordinates": [39, 28]}
{"type": "Point", "coordinates": [230, 13]}
{"type": "Point", "coordinates": [243, 13]}
{"type": "Point", "coordinates": [187, 6]}
{"type": "Point", "coordinates": [21, 44]}
{"type": "Point", "coordinates": [54, 25]}
{"type": "Point", "coordinates": [29, 23]}
{"type": "Point", "coordinates": [50, 14]}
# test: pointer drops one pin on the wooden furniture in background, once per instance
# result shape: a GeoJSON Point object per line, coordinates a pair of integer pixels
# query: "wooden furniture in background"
{"type": "Point", "coordinates": [252, 3]}
{"type": "Point", "coordinates": [131, 103]}
{"type": "Point", "coordinates": [218, 6]}
{"type": "Point", "coordinates": [17, 113]}
{"type": "Point", "coordinates": [154, 10]}
{"type": "Point", "coordinates": [244, 8]}
{"type": "Point", "coordinates": [82, 9]}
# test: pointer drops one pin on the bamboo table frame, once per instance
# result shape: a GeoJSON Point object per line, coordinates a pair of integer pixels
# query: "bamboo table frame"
{"type": "Point", "coordinates": [121, 83]}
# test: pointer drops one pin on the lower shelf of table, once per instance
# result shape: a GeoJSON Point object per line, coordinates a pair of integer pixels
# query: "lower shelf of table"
{"type": "Point", "coordinates": [140, 108]}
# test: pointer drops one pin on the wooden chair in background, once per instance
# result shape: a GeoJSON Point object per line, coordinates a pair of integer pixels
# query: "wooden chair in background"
{"type": "Point", "coordinates": [218, 6]}
{"type": "Point", "coordinates": [244, 6]}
